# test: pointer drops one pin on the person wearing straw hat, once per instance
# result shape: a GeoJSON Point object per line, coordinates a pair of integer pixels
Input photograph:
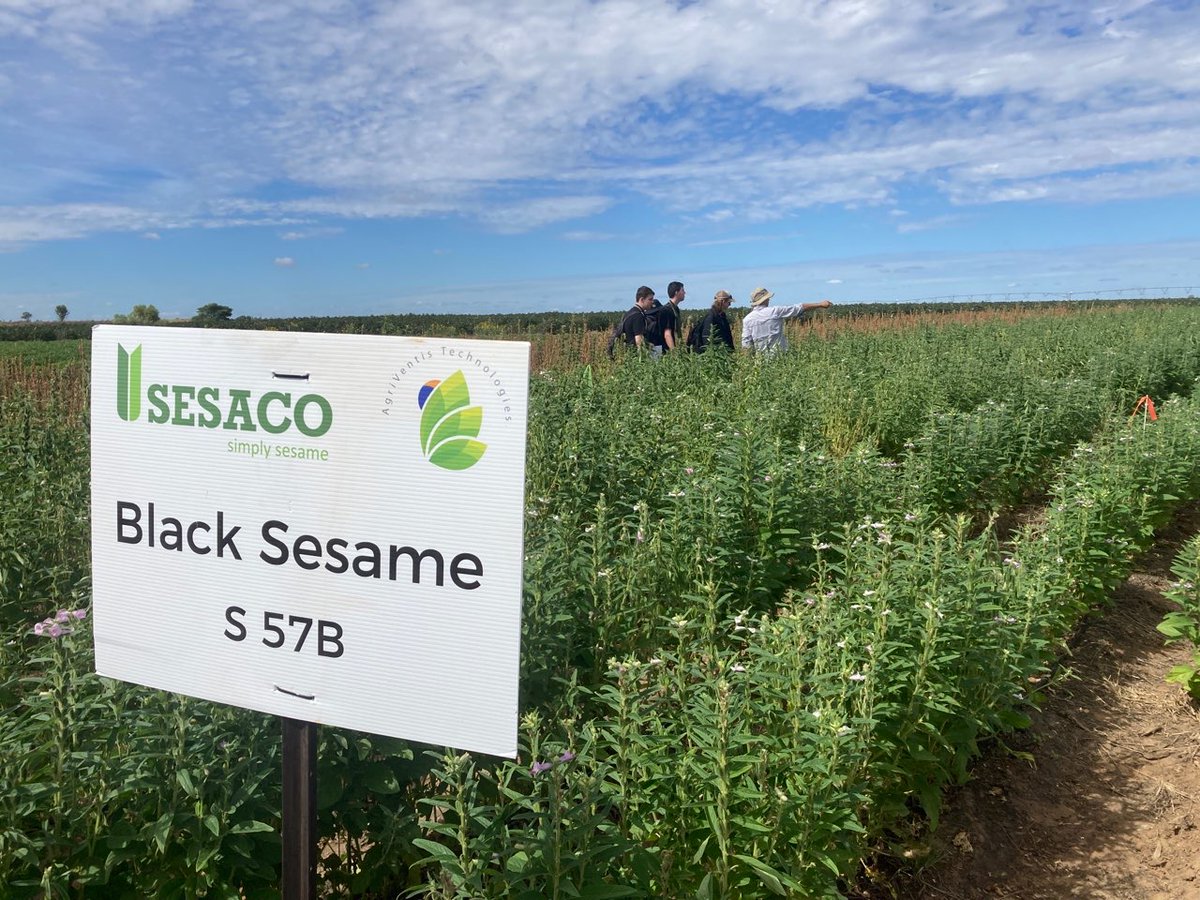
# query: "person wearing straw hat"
{"type": "Point", "coordinates": [762, 329]}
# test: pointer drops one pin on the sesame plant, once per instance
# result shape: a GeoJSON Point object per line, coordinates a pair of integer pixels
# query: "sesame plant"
{"type": "Point", "coordinates": [765, 622]}
{"type": "Point", "coordinates": [765, 753]}
{"type": "Point", "coordinates": [1183, 624]}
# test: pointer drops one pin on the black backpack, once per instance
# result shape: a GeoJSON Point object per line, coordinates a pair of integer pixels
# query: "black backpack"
{"type": "Point", "coordinates": [655, 317]}
{"type": "Point", "coordinates": [696, 331]}
{"type": "Point", "coordinates": [618, 330]}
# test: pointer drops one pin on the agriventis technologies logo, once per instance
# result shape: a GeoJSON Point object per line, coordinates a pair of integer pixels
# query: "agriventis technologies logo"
{"type": "Point", "coordinates": [449, 424]}
{"type": "Point", "coordinates": [274, 413]}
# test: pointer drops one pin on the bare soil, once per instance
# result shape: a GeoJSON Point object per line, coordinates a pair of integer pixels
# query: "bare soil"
{"type": "Point", "coordinates": [1109, 806]}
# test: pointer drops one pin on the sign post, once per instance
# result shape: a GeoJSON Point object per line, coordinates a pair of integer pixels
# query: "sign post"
{"type": "Point", "coordinates": [299, 810]}
{"type": "Point", "coordinates": [326, 528]}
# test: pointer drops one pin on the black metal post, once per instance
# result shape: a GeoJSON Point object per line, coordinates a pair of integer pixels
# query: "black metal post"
{"type": "Point", "coordinates": [299, 810]}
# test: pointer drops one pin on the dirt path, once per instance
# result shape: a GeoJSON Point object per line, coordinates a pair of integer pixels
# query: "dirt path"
{"type": "Point", "coordinates": [1110, 807]}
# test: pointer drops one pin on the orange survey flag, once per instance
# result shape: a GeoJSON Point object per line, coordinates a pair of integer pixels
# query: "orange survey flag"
{"type": "Point", "coordinates": [1148, 405]}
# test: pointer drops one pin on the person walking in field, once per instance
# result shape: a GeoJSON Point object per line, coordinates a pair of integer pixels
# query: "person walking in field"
{"type": "Point", "coordinates": [668, 317]}
{"type": "Point", "coordinates": [631, 331]}
{"type": "Point", "coordinates": [762, 329]}
{"type": "Point", "coordinates": [713, 330]}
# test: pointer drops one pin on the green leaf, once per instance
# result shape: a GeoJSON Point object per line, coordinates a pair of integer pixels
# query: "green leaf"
{"type": "Point", "coordinates": [381, 780]}
{"type": "Point", "coordinates": [771, 879]}
{"type": "Point", "coordinates": [445, 398]}
{"type": "Point", "coordinates": [162, 830]}
{"type": "Point", "coordinates": [457, 454]}
{"type": "Point", "coordinates": [931, 802]}
{"type": "Point", "coordinates": [254, 827]}
{"type": "Point", "coordinates": [462, 423]}
{"type": "Point", "coordinates": [184, 777]}
{"type": "Point", "coordinates": [440, 853]}
{"type": "Point", "coordinates": [700, 853]}
{"type": "Point", "coordinates": [607, 891]}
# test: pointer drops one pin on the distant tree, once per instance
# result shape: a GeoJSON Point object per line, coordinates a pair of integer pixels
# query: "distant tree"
{"type": "Point", "coordinates": [26, 316]}
{"type": "Point", "coordinates": [61, 311]}
{"type": "Point", "coordinates": [142, 314]}
{"type": "Point", "coordinates": [211, 313]}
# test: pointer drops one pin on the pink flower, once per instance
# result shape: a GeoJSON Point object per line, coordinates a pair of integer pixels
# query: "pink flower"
{"type": "Point", "coordinates": [566, 757]}
{"type": "Point", "coordinates": [538, 768]}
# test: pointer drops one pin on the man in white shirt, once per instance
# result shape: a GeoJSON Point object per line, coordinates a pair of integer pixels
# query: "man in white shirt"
{"type": "Point", "coordinates": [762, 329]}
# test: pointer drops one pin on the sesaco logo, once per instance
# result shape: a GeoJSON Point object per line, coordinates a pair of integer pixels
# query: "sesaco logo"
{"type": "Point", "coordinates": [206, 407]}
{"type": "Point", "coordinates": [449, 424]}
{"type": "Point", "coordinates": [129, 383]}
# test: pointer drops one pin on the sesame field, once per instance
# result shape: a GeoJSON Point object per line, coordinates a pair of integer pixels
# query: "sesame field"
{"type": "Point", "coordinates": [777, 613]}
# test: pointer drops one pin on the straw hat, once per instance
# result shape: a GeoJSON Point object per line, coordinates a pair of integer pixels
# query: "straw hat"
{"type": "Point", "coordinates": [760, 296]}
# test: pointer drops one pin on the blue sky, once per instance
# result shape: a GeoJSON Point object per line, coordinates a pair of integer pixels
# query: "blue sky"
{"type": "Point", "coordinates": [331, 157]}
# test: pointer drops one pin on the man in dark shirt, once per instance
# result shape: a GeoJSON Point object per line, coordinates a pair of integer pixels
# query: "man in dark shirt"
{"type": "Point", "coordinates": [669, 319]}
{"type": "Point", "coordinates": [633, 326]}
{"type": "Point", "coordinates": [713, 330]}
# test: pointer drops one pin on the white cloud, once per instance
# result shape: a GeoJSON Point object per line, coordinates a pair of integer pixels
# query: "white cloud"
{"type": "Point", "coordinates": [530, 214]}
{"type": "Point", "coordinates": [910, 226]}
{"type": "Point", "coordinates": [589, 236]}
{"type": "Point", "coordinates": [284, 262]}
{"type": "Point", "coordinates": [521, 114]}
{"type": "Point", "coordinates": [308, 234]}
{"type": "Point", "coordinates": [1076, 271]}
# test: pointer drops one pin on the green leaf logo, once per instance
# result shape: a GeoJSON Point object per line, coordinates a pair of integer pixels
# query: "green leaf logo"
{"type": "Point", "coordinates": [449, 424]}
{"type": "Point", "coordinates": [129, 383]}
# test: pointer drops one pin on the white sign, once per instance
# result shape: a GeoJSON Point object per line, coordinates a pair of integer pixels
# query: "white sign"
{"type": "Point", "coordinates": [323, 527]}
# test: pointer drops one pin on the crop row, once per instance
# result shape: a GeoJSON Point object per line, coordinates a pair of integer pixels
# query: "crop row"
{"type": "Point", "coordinates": [727, 687]}
{"type": "Point", "coordinates": [772, 752]}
